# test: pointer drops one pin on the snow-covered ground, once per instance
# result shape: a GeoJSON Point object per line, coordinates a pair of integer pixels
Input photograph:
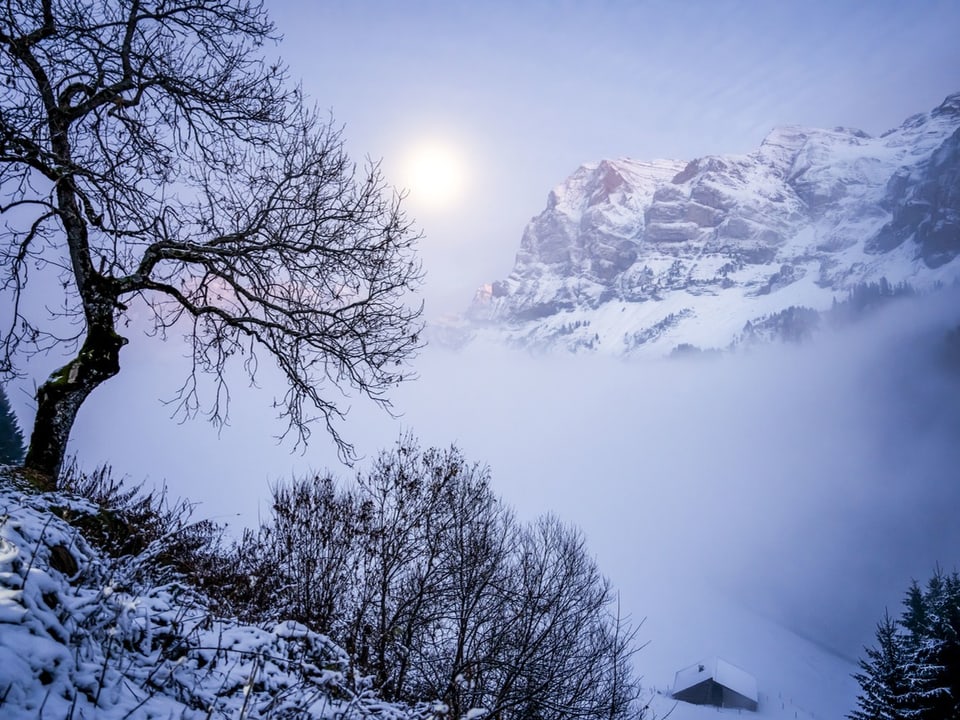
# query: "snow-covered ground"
{"type": "Point", "coordinates": [84, 637]}
{"type": "Point", "coordinates": [81, 636]}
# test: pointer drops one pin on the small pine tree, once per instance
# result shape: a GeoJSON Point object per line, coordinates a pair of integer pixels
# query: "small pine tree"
{"type": "Point", "coordinates": [934, 642]}
{"type": "Point", "coordinates": [914, 671]}
{"type": "Point", "coordinates": [883, 681]}
{"type": "Point", "coordinates": [11, 437]}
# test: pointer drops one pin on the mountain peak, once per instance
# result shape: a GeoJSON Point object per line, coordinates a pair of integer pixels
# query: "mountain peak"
{"type": "Point", "coordinates": [635, 257]}
{"type": "Point", "coordinates": [950, 106]}
{"type": "Point", "coordinates": [782, 144]}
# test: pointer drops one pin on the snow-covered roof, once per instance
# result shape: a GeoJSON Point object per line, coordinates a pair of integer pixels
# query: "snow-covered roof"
{"type": "Point", "coordinates": [722, 672]}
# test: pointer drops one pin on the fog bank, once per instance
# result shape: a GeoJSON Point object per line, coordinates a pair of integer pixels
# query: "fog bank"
{"type": "Point", "coordinates": [808, 483]}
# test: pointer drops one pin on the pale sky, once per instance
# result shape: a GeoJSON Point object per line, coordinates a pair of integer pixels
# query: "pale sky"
{"type": "Point", "coordinates": [523, 92]}
{"type": "Point", "coordinates": [526, 91]}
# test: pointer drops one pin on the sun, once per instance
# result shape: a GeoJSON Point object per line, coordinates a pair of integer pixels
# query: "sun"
{"type": "Point", "coordinates": [434, 173]}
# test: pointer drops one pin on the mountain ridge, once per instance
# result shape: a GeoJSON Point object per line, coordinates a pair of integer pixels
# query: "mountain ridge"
{"type": "Point", "coordinates": [639, 257]}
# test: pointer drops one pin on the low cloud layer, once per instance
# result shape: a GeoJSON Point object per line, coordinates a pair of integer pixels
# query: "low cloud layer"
{"type": "Point", "coordinates": [810, 482]}
{"type": "Point", "coordinates": [807, 484]}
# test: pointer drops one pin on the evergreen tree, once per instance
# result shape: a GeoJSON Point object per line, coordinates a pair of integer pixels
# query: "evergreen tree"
{"type": "Point", "coordinates": [913, 673]}
{"type": "Point", "coordinates": [932, 618]}
{"type": "Point", "coordinates": [883, 681]}
{"type": "Point", "coordinates": [914, 619]}
{"type": "Point", "coordinates": [11, 438]}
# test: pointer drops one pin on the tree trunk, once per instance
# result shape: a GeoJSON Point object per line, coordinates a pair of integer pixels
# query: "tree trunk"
{"type": "Point", "coordinates": [60, 397]}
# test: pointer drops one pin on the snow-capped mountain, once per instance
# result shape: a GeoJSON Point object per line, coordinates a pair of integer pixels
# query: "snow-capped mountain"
{"type": "Point", "coordinates": [642, 257]}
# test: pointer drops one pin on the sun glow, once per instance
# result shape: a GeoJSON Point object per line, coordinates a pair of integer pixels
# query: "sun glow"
{"type": "Point", "coordinates": [434, 172]}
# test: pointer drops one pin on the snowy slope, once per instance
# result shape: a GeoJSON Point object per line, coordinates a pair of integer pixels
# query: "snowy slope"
{"type": "Point", "coordinates": [85, 636]}
{"type": "Point", "coordinates": [82, 636]}
{"type": "Point", "coordinates": [634, 258]}
{"type": "Point", "coordinates": [795, 677]}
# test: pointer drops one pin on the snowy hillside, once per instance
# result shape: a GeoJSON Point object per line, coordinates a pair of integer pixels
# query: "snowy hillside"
{"type": "Point", "coordinates": [84, 636]}
{"type": "Point", "coordinates": [634, 258]}
{"type": "Point", "coordinates": [795, 678]}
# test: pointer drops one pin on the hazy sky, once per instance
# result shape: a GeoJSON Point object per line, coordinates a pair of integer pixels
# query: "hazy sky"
{"type": "Point", "coordinates": [526, 91]}
{"type": "Point", "coordinates": [797, 462]}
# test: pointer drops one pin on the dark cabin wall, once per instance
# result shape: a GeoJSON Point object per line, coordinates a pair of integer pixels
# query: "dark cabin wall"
{"type": "Point", "coordinates": [710, 692]}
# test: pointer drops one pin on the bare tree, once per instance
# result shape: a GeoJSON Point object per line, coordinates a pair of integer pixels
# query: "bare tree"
{"type": "Point", "coordinates": [312, 545]}
{"type": "Point", "coordinates": [566, 653]}
{"type": "Point", "coordinates": [452, 598]}
{"type": "Point", "coordinates": [153, 161]}
{"type": "Point", "coordinates": [404, 513]}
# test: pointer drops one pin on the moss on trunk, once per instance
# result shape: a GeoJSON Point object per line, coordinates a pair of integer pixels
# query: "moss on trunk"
{"type": "Point", "coordinates": [60, 397]}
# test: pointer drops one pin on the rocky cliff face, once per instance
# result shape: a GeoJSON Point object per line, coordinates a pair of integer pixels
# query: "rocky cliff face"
{"type": "Point", "coordinates": [641, 257]}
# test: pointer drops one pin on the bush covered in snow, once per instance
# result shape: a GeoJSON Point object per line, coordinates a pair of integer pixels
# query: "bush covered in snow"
{"type": "Point", "coordinates": [86, 635]}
